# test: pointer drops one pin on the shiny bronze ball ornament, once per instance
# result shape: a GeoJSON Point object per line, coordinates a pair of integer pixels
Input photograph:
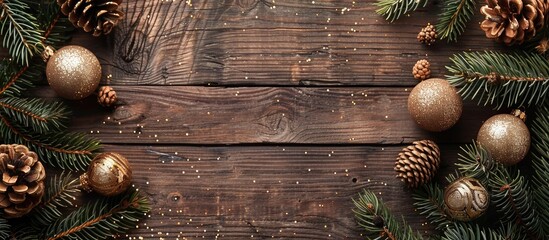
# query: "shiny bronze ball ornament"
{"type": "Point", "coordinates": [73, 72]}
{"type": "Point", "coordinates": [466, 199]}
{"type": "Point", "coordinates": [435, 105]}
{"type": "Point", "coordinates": [506, 138]}
{"type": "Point", "coordinates": [109, 174]}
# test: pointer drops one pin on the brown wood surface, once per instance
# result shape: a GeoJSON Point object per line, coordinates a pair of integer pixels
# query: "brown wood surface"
{"type": "Point", "coordinates": [263, 118]}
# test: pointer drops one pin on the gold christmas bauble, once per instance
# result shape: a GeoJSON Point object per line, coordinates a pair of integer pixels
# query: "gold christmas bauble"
{"type": "Point", "coordinates": [73, 72]}
{"type": "Point", "coordinates": [506, 138]}
{"type": "Point", "coordinates": [109, 174]}
{"type": "Point", "coordinates": [435, 105]}
{"type": "Point", "coordinates": [466, 199]}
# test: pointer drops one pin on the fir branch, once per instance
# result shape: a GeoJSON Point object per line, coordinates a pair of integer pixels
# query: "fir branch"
{"type": "Point", "coordinates": [454, 17]}
{"type": "Point", "coordinates": [475, 162]}
{"type": "Point", "coordinates": [21, 35]}
{"type": "Point", "coordinates": [101, 218]}
{"type": "Point", "coordinates": [65, 150]}
{"type": "Point", "coordinates": [470, 231]}
{"type": "Point", "coordinates": [429, 201]}
{"type": "Point", "coordinates": [540, 164]}
{"type": "Point", "coordinates": [39, 115]}
{"type": "Point", "coordinates": [510, 194]}
{"type": "Point", "coordinates": [394, 9]}
{"type": "Point", "coordinates": [5, 228]}
{"type": "Point", "coordinates": [504, 80]}
{"type": "Point", "coordinates": [10, 80]}
{"type": "Point", "coordinates": [61, 192]}
{"type": "Point", "coordinates": [375, 218]}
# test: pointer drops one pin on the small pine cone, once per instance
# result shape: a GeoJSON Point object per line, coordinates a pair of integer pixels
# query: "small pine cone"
{"type": "Point", "coordinates": [427, 35]}
{"type": "Point", "coordinates": [107, 96]}
{"type": "Point", "coordinates": [422, 70]}
{"type": "Point", "coordinates": [99, 16]}
{"type": "Point", "coordinates": [418, 163]}
{"type": "Point", "coordinates": [22, 185]}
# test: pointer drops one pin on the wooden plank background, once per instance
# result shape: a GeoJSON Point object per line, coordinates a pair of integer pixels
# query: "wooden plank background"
{"type": "Point", "coordinates": [263, 118]}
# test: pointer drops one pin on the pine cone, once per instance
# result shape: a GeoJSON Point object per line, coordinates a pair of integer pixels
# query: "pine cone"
{"type": "Point", "coordinates": [421, 70]}
{"type": "Point", "coordinates": [97, 15]}
{"type": "Point", "coordinates": [22, 184]}
{"type": "Point", "coordinates": [418, 163]}
{"type": "Point", "coordinates": [513, 21]}
{"type": "Point", "coordinates": [107, 96]}
{"type": "Point", "coordinates": [428, 34]}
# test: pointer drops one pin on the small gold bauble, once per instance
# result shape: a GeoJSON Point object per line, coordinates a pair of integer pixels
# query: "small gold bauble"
{"type": "Point", "coordinates": [506, 138]}
{"type": "Point", "coordinates": [73, 72]}
{"type": "Point", "coordinates": [466, 199]}
{"type": "Point", "coordinates": [109, 174]}
{"type": "Point", "coordinates": [435, 105]}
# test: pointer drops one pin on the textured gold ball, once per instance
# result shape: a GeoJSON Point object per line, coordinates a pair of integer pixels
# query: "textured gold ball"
{"type": "Point", "coordinates": [109, 174]}
{"type": "Point", "coordinates": [435, 105]}
{"type": "Point", "coordinates": [506, 138]}
{"type": "Point", "coordinates": [466, 199]}
{"type": "Point", "coordinates": [73, 72]}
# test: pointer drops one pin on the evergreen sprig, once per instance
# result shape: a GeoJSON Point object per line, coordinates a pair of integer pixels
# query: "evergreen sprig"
{"type": "Point", "coordinates": [37, 114]}
{"type": "Point", "coordinates": [20, 32]}
{"type": "Point", "coordinates": [512, 198]}
{"type": "Point", "coordinates": [378, 222]}
{"type": "Point", "coordinates": [540, 165]}
{"type": "Point", "coordinates": [101, 218]}
{"type": "Point", "coordinates": [394, 9]}
{"type": "Point", "coordinates": [429, 201]}
{"type": "Point", "coordinates": [60, 193]}
{"type": "Point", "coordinates": [470, 231]}
{"type": "Point", "coordinates": [5, 228]}
{"type": "Point", "coordinates": [501, 79]}
{"type": "Point", "coordinates": [474, 161]}
{"type": "Point", "coordinates": [454, 17]}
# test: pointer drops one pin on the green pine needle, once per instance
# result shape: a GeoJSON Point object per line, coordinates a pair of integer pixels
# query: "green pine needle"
{"type": "Point", "coordinates": [39, 115]}
{"type": "Point", "coordinates": [454, 17]}
{"type": "Point", "coordinates": [429, 201]}
{"type": "Point", "coordinates": [66, 150]}
{"type": "Point", "coordinates": [512, 198]}
{"type": "Point", "coordinates": [500, 79]}
{"type": "Point", "coordinates": [540, 164]}
{"type": "Point", "coordinates": [375, 218]}
{"type": "Point", "coordinates": [474, 161]}
{"type": "Point", "coordinates": [5, 228]}
{"type": "Point", "coordinates": [394, 9]}
{"type": "Point", "coordinates": [19, 30]}
{"type": "Point", "coordinates": [60, 193]}
{"type": "Point", "coordinates": [470, 231]}
{"type": "Point", "coordinates": [101, 218]}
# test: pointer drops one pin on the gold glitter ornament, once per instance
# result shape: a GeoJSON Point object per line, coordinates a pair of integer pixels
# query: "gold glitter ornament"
{"type": "Point", "coordinates": [466, 199]}
{"type": "Point", "coordinates": [435, 105]}
{"type": "Point", "coordinates": [73, 72]}
{"type": "Point", "coordinates": [506, 138]}
{"type": "Point", "coordinates": [109, 174]}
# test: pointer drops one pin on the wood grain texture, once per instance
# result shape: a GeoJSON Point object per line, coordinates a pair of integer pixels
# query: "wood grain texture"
{"type": "Point", "coordinates": [283, 42]}
{"type": "Point", "coordinates": [213, 115]}
{"type": "Point", "coordinates": [282, 192]}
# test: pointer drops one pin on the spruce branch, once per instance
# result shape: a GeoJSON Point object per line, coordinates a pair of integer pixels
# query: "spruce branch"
{"type": "Point", "coordinates": [394, 9]}
{"type": "Point", "coordinates": [5, 228]}
{"type": "Point", "coordinates": [20, 32]}
{"type": "Point", "coordinates": [511, 195]}
{"type": "Point", "coordinates": [65, 150]}
{"type": "Point", "coordinates": [474, 161]}
{"type": "Point", "coordinates": [429, 201]}
{"type": "Point", "coordinates": [540, 164]}
{"type": "Point", "coordinates": [501, 79]}
{"type": "Point", "coordinates": [101, 218]}
{"type": "Point", "coordinates": [375, 218]}
{"type": "Point", "coordinates": [61, 192]}
{"type": "Point", "coordinates": [470, 231]}
{"type": "Point", "coordinates": [454, 17]}
{"type": "Point", "coordinates": [39, 115]}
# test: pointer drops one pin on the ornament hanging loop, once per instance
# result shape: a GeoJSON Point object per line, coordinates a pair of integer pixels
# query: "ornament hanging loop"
{"type": "Point", "coordinates": [47, 53]}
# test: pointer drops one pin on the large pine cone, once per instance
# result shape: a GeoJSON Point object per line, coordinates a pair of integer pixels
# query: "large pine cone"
{"type": "Point", "coordinates": [97, 15]}
{"type": "Point", "coordinates": [513, 21]}
{"type": "Point", "coordinates": [418, 163]}
{"type": "Point", "coordinates": [22, 185]}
